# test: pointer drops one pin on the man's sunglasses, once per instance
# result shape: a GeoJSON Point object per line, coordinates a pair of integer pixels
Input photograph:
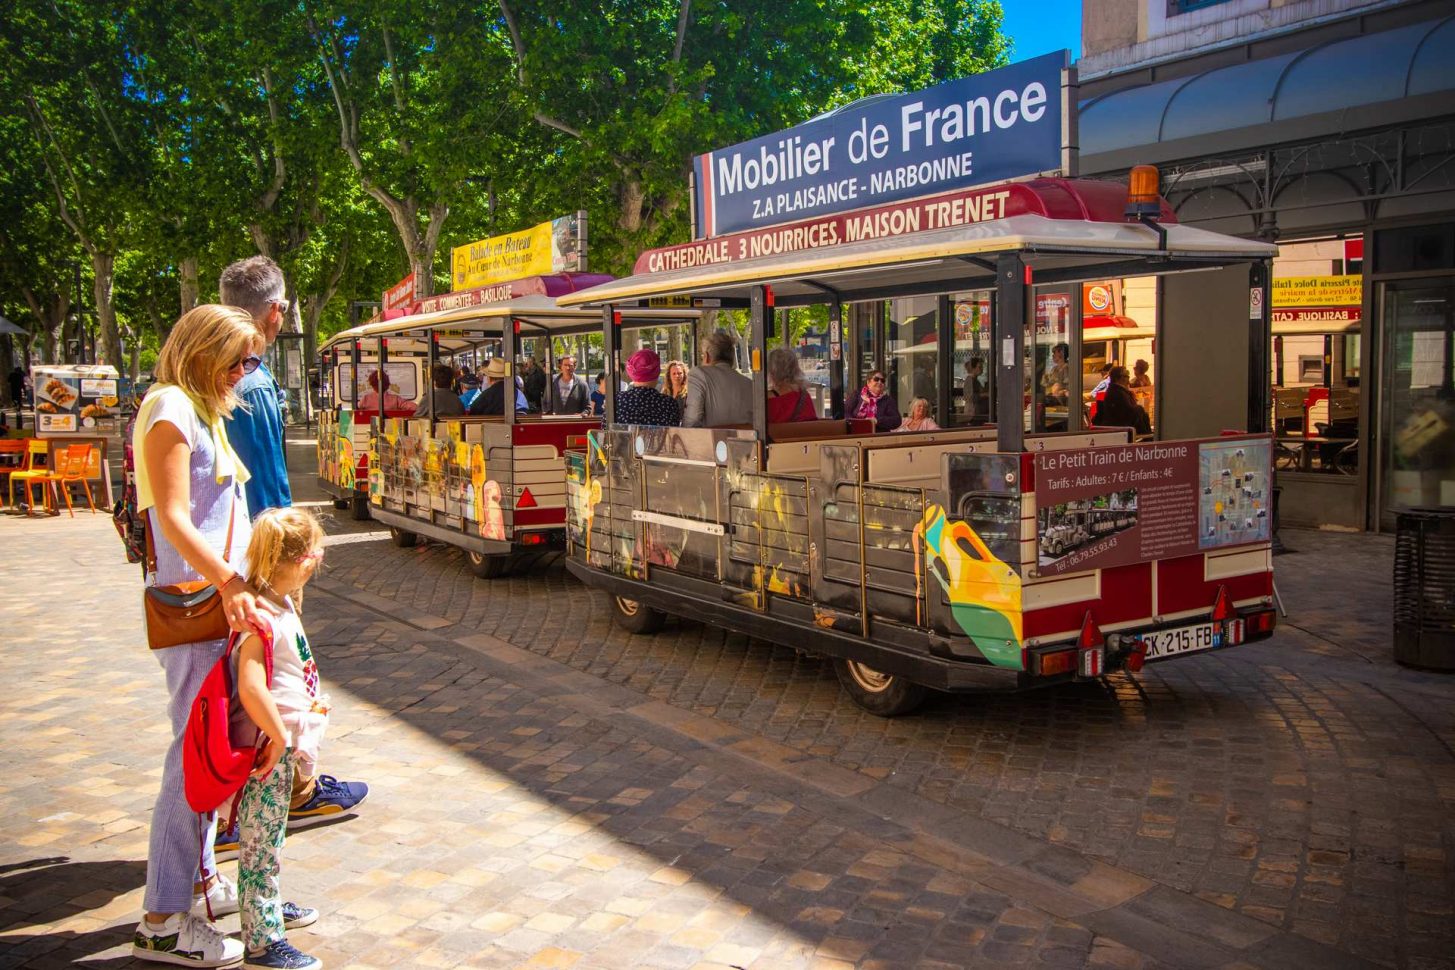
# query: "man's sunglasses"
{"type": "Point", "coordinates": [876, 380]}
{"type": "Point", "coordinates": [282, 305]}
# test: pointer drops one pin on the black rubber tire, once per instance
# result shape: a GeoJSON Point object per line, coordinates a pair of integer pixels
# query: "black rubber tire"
{"type": "Point", "coordinates": [360, 505]}
{"type": "Point", "coordinates": [885, 695]}
{"type": "Point", "coordinates": [340, 503]}
{"type": "Point", "coordinates": [490, 567]}
{"type": "Point", "coordinates": [403, 538]}
{"type": "Point", "coordinates": [633, 617]}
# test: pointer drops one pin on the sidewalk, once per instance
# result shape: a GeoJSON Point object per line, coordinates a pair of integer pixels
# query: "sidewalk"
{"type": "Point", "coordinates": [549, 792]}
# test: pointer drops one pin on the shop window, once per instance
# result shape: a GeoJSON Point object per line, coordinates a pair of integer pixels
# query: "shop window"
{"type": "Point", "coordinates": [1414, 248]}
{"type": "Point", "coordinates": [1175, 7]}
{"type": "Point", "coordinates": [1419, 444]}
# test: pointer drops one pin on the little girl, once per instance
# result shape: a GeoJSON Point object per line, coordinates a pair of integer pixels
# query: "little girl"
{"type": "Point", "coordinates": [285, 550]}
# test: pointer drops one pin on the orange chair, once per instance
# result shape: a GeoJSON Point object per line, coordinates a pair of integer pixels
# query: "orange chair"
{"type": "Point", "coordinates": [12, 457]}
{"type": "Point", "coordinates": [36, 467]}
{"type": "Point", "coordinates": [72, 467]}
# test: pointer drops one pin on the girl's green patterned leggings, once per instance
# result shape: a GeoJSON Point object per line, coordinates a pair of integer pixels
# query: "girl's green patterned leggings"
{"type": "Point", "coordinates": [262, 815]}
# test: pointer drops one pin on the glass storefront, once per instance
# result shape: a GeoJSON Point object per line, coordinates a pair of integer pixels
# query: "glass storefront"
{"type": "Point", "coordinates": [1418, 426]}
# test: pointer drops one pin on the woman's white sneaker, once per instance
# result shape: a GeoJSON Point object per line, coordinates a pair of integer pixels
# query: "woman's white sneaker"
{"type": "Point", "coordinates": [222, 895]}
{"type": "Point", "coordinates": [186, 940]}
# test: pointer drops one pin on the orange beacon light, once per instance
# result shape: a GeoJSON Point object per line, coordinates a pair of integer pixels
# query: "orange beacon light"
{"type": "Point", "coordinates": [1142, 197]}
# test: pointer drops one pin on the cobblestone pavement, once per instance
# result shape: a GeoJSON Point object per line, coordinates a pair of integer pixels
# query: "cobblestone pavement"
{"type": "Point", "coordinates": [700, 799]}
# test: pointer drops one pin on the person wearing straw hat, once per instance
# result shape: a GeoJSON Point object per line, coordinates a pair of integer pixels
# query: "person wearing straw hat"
{"type": "Point", "coordinates": [492, 399]}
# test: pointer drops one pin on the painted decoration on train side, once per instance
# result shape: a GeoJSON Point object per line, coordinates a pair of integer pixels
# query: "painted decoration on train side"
{"type": "Point", "coordinates": [1102, 507]}
{"type": "Point", "coordinates": [989, 127]}
{"type": "Point", "coordinates": [984, 592]}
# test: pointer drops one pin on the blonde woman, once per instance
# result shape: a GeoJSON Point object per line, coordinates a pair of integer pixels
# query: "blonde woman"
{"type": "Point", "coordinates": [674, 384]}
{"type": "Point", "coordinates": [189, 485]}
{"type": "Point", "coordinates": [919, 417]}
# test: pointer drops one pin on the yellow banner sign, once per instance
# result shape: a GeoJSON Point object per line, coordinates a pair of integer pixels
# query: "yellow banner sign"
{"type": "Point", "coordinates": [551, 247]}
{"type": "Point", "coordinates": [1292, 291]}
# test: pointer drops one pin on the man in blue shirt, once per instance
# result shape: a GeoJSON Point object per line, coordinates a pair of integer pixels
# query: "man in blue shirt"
{"type": "Point", "coordinates": [256, 434]}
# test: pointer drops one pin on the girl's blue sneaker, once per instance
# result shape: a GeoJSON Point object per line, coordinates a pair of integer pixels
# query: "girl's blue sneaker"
{"type": "Point", "coordinates": [282, 955]}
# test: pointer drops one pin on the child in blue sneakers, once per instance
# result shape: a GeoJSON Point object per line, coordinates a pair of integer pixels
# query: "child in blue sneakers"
{"type": "Point", "coordinates": [286, 548]}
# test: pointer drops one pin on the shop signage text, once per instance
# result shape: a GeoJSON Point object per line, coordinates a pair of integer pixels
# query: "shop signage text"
{"type": "Point", "coordinates": [476, 297]}
{"type": "Point", "coordinates": [1101, 507]}
{"type": "Point", "coordinates": [401, 294]}
{"type": "Point", "coordinates": [1318, 291]}
{"type": "Point", "coordinates": [1303, 315]}
{"type": "Point", "coordinates": [558, 246]}
{"type": "Point", "coordinates": [945, 211]}
{"type": "Point", "coordinates": [990, 127]}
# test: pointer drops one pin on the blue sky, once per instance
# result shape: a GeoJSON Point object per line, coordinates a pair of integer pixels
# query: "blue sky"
{"type": "Point", "coordinates": [1042, 26]}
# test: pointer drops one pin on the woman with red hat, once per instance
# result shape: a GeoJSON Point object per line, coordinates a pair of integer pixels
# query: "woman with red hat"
{"type": "Point", "coordinates": [642, 403]}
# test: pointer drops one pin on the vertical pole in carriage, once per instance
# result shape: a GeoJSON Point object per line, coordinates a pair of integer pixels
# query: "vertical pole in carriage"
{"type": "Point", "coordinates": [944, 360]}
{"type": "Point", "coordinates": [609, 344]}
{"type": "Point", "coordinates": [1012, 288]}
{"type": "Point", "coordinates": [836, 358]}
{"type": "Point", "coordinates": [760, 321]}
{"type": "Point", "coordinates": [433, 358]}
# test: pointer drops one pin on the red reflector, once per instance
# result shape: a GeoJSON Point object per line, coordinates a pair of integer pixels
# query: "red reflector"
{"type": "Point", "coordinates": [616, 317]}
{"type": "Point", "coordinates": [1090, 634]}
{"type": "Point", "coordinates": [1060, 662]}
{"type": "Point", "coordinates": [1137, 657]}
{"type": "Point", "coordinates": [1028, 276]}
{"type": "Point", "coordinates": [530, 538]}
{"type": "Point", "coordinates": [768, 295]}
{"type": "Point", "coordinates": [526, 500]}
{"type": "Point", "coordinates": [1260, 623]}
{"type": "Point", "coordinates": [1223, 606]}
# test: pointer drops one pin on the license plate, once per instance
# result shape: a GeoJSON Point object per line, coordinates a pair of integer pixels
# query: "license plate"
{"type": "Point", "coordinates": [1191, 639]}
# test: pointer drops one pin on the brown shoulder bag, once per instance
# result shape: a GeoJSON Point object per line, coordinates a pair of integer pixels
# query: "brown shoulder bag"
{"type": "Point", "coordinates": [189, 612]}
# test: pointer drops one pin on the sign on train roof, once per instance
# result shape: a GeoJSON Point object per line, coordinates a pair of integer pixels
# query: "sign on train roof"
{"type": "Point", "coordinates": [989, 127]}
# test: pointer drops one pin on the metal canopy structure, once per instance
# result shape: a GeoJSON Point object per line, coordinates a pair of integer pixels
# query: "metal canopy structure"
{"type": "Point", "coordinates": [1404, 75]}
{"type": "Point", "coordinates": [944, 259]}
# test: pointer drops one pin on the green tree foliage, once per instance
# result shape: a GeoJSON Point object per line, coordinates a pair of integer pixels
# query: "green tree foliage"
{"type": "Point", "coordinates": [155, 141]}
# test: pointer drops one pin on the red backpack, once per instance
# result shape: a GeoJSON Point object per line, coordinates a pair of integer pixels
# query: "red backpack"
{"type": "Point", "coordinates": [213, 769]}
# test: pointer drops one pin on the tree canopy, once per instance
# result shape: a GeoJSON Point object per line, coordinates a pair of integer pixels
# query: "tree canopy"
{"type": "Point", "coordinates": [148, 144]}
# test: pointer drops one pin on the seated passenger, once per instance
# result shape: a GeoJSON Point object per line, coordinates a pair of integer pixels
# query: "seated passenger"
{"type": "Point", "coordinates": [642, 403]}
{"type": "Point", "coordinates": [876, 402]}
{"type": "Point", "coordinates": [446, 402]}
{"type": "Point", "coordinates": [598, 396]}
{"type": "Point", "coordinates": [717, 395]}
{"type": "Point", "coordinates": [919, 417]}
{"type": "Point", "coordinates": [379, 384]}
{"type": "Point", "coordinates": [788, 397]}
{"type": "Point", "coordinates": [492, 399]}
{"type": "Point", "coordinates": [1119, 409]}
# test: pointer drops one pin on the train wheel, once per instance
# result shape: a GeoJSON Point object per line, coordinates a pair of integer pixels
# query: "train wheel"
{"type": "Point", "coordinates": [887, 695]}
{"type": "Point", "coordinates": [360, 505]}
{"type": "Point", "coordinates": [340, 503]}
{"type": "Point", "coordinates": [403, 538]}
{"type": "Point", "coordinates": [490, 567]}
{"type": "Point", "coordinates": [635, 617]}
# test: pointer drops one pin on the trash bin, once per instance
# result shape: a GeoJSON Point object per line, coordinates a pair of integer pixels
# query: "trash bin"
{"type": "Point", "coordinates": [1424, 588]}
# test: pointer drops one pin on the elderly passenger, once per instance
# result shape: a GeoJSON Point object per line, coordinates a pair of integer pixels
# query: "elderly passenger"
{"type": "Point", "coordinates": [492, 399]}
{"type": "Point", "coordinates": [642, 403]}
{"type": "Point", "coordinates": [717, 395]}
{"type": "Point", "coordinates": [446, 402]}
{"type": "Point", "coordinates": [788, 400]}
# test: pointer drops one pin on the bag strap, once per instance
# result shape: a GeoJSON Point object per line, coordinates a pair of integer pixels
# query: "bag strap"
{"type": "Point", "coordinates": [798, 408]}
{"type": "Point", "coordinates": [151, 549]}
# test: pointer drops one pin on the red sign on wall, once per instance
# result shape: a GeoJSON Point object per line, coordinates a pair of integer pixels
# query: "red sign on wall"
{"type": "Point", "coordinates": [401, 294]}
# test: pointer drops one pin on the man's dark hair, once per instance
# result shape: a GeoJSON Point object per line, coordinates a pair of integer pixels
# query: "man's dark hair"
{"type": "Point", "coordinates": [251, 284]}
{"type": "Point", "coordinates": [443, 375]}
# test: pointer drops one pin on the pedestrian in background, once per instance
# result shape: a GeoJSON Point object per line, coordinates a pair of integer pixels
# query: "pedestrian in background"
{"type": "Point", "coordinates": [189, 484]}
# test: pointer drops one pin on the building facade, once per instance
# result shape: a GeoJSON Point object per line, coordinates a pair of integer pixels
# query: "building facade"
{"type": "Point", "coordinates": [1327, 126]}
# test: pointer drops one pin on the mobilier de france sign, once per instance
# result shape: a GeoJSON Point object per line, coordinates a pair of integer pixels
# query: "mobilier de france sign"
{"type": "Point", "coordinates": [989, 127]}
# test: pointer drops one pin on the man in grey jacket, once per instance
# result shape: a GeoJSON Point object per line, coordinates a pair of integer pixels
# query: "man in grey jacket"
{"type": "Point", "coordinates": [567, 394]}
{"type": "Point", "coordinates": [717, 395]}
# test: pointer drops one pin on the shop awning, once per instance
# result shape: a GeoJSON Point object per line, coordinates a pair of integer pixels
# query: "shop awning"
{"type": "Point", "coordinates": [1371, 81]}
